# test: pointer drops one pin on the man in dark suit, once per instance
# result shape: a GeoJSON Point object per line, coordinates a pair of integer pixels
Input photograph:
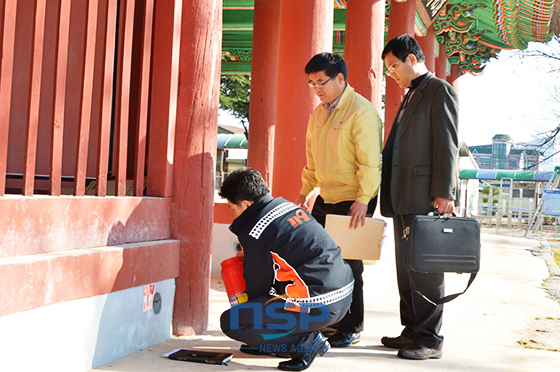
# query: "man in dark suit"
{"type": "Point", "coordinates": [419, 174]}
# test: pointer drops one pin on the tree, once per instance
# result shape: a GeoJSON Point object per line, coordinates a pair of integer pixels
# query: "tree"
{"type": "Point", "coordinates": [234, 96]}
{"type": "Point", "coordinates": [547, 56]}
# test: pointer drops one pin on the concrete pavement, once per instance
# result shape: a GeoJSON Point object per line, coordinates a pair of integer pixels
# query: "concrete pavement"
{"type": "Point", "coordinates": [508, 303]}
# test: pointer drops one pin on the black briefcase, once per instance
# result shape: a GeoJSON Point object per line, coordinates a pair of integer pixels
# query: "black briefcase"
{"type": "Point", "coordinates": [441, 244]}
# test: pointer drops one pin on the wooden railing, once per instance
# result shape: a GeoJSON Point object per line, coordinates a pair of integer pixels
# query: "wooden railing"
{"type": "Point", "coordinates": [74, 91]}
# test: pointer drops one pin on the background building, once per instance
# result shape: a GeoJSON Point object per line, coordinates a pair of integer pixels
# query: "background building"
{"type": "Point", "coordinates": [504, 154]}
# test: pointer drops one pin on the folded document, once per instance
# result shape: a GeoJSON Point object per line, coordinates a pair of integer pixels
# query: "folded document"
{"type": "Point", "coordinates": [363, 243]}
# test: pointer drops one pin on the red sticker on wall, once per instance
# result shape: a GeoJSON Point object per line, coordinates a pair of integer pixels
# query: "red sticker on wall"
{"type": "Point", "coordinates": [149, 296]}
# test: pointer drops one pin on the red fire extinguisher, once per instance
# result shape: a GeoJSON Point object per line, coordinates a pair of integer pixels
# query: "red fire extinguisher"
{"type": "Point", "coordinates": [232, 274]}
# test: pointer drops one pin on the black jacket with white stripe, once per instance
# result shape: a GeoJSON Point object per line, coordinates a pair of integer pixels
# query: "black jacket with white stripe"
{"type": "Point", "coordinates": [289, 254]}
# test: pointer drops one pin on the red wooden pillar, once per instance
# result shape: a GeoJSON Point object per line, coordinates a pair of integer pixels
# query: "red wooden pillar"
{"type": "Point", "coordinates": [453, 78]}
{"type": "Point", "coordinates": [401, 21]}
{"type": "Point", "coordinates": [365, 22]}
{"type": "Point", "coordinates": [306, 28]}
{"type": "Point", "coordinates": [263, 87]}
{"type": "Point", "coordinates": [192, 209]}
{"type": "Point", "coordinates": [441, 63]}
{"type": "Point", "coordinates": [427, 43]}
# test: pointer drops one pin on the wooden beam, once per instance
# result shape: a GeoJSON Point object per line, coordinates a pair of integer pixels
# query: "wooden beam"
{"type": "Point", "coordinates": [59, 97]}
{"type": "Point", "coordinates": [34, 98]}
{"type": "Point", "coordinates": [87, 96]}
{"type": "Point", "coordinates": [103, 143]}
{"type": "Point", "coordinates": [263, 88]}
{"type": "Point", "coordinates": [195, 161]}
{"type": "Point", "coordinates": [140, 158]}
{"type": "Point", "coordinates": [365, 23]}
{"type": "Point", "coordinates": [6, 75]}
{"type": "Point", "coordinates": [50, 278]}
{"type": "Point", "coordinates": [163, 97]}
{"type": "Point", "coordinates": [313, 19]}
{"type": "Point", "coordinates": [401, 21]}
{"type": "Point", "coordinates": [123, 95]}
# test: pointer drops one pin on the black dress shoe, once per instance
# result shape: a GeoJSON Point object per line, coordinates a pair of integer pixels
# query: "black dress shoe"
{"type": "Point", "coordinates": [419, 352]}
{"type": "Point", "coordinates": [344, 339]}
{"type": "Point", "coordinates": [396, 342]}
{"type": "Point", "coordinates": [263, 350]}
{"type": "Point", "coordinates": [320, 345]}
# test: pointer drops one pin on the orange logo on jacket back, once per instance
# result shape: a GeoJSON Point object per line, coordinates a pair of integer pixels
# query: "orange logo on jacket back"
{"type": "Point", "coordinates": [283, 272]}
{"type": "Point", "coordinates": [299, 218]}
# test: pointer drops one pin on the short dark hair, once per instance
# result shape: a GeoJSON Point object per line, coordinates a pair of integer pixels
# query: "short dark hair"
{"type": "Point", "coordinates": [332, 63]}
{"type": "Point", "coordinates": [243, 184]}
{"type": "Point", "coordinates": [402, 46]}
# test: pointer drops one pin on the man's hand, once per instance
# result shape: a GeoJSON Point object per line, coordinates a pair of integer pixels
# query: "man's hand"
{"type": "Point", "coordinates": [358, 212]}
{"type": "Point", "coordinates": [443, 205]}
{"type": "Point", "coordinates": [302, 201]}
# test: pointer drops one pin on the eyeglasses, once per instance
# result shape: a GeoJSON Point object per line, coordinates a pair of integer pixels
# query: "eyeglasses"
{"type": "Point", "coordinates": [391, 70]}
{"type": "Point", "coordinates": [318, 85]}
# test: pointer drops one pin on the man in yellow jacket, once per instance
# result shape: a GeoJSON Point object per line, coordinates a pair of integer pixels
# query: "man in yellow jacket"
{"type": "Point", "coordinates": [343, 146]}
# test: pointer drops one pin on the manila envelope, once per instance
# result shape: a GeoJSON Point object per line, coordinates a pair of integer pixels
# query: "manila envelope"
{"type": "Point", "coordinates": [363, 243]}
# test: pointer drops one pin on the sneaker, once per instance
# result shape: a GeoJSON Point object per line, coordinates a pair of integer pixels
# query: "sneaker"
{"type": "Point", "coordinates": [344, 339]}
{"type": "Point", "coordinates": [419, 352]}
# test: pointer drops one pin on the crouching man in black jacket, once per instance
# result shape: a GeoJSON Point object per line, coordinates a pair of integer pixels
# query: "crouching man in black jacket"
{"type": "Point", "coordinates": [296, 280]}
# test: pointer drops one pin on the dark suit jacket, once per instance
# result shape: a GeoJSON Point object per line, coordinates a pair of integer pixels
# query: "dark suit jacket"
{"type": "Point", "coordinates": [420, 157]}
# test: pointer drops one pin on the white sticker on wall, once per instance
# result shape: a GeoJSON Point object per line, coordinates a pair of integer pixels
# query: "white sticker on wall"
{"type": "Point", "coordinates": [149, 296]}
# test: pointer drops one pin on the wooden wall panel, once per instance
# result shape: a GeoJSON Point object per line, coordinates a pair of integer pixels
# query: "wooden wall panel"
{"type": "Point", "coordinates": [55, 277]}
{"type": "Point", "coordinates": [44, 224]}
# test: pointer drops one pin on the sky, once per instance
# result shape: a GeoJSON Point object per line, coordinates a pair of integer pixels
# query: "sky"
{"type": "Point", "coordinates": [510, 97]}
{"type": "Point", "coordinates": [225, 118]}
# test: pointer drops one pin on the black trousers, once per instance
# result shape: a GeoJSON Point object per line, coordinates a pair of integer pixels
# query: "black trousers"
{"type": "Point", "coordinates": [285, 332]}
{"type": "Point", "coordinates": [421, 320]}
{"type": "Point", "coordinates": [353, 321]}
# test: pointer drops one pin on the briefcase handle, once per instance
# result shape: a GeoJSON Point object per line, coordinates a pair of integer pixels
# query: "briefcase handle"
{"type": "Point", "coordinates": [441, 215]}
{"type": "Point", "coordinates": [406, 230]}
{"type": "Point", "coordinates": [446, 298]}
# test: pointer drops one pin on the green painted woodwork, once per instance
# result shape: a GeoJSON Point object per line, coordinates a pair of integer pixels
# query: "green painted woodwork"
{"type": "Point", "coordinates": [468, 173]}
{"type": "Point", "coordinates": [524, 175]}
{"type": "Point", "coordinates": [236, 68]}
{"type": "Point", "coordinates": [339, 19]}
{"type": "Point", "coordinates": [238, 4]}
{"type": "Point", "coordinates": [471, 31]}
{"type": "Point", "coordinates": [494, 174]}
{"type": "Point", "coordinates": [505, 174]}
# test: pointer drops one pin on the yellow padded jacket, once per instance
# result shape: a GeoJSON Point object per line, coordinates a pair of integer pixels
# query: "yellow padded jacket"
{"type": "Point", "coordinates": [344, 150]}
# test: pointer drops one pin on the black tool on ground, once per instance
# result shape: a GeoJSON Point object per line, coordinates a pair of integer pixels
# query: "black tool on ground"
{"type": "Point", "coordinates": [201, 356]}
